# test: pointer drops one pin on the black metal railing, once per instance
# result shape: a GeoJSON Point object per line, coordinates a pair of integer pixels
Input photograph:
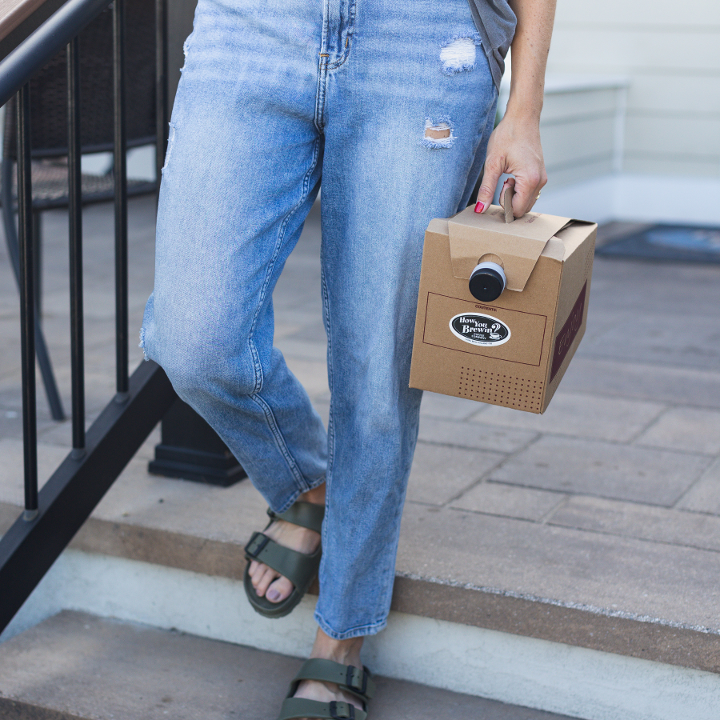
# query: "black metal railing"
{"type": "Point", "coordinates": [53, 515]}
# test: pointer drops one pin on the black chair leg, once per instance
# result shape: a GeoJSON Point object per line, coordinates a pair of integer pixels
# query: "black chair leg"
{"type": "Point", "coordinates": [37, 243]}
{"type": "Point", "coordinates": [11, 239]}
{"type": "Point", "coordinates": [46, 371]}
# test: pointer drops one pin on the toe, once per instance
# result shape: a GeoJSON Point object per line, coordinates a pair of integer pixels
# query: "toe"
{"type": "Point", "coordinates": [254, 565]}
{"type": "Point", "coordinates": [257, 573]}
{"type": "Point", "coordinates": [264, 581]}
{"type": "Point", "coordinates": [279, 590]}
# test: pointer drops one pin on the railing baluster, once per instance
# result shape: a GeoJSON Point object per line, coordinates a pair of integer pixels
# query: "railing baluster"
{"type": "Point", "coordinates": [77, 341]}
{"type": "Point", "coordinates": [120, 177]}
{"type": "Point", "coordinates": [28, 549]}
{"type": "Point", "coordinates": [161, 85]}
{"type": "Point", "coordinates": [27, 303]}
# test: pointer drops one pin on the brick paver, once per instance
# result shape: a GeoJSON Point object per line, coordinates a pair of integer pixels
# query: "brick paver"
{"type": "Point", "coordinates": [645, 522]}
{"type": "Point", "coordinates": [704, 495]}
{"type": "Point", "coordinates": [473, 434]}
{"type": "Point", "coordinates": [440, 473]}
{"type": "Point", "coordinates": [687, 429]}
{"type": "Point", "coordinates": [656, 477]}
{"type": "Point", "coordinates": [582, 415]}
{"type": "Point", "coordinates": [506, 500]}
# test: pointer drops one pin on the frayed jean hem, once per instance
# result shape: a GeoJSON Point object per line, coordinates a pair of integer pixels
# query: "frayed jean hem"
{"type": "Point", "coordinates": [361, 631]}
{"type": "Point", "coordinates": [300, 491]}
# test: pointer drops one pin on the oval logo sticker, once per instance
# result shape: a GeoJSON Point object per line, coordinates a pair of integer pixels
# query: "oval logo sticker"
{"type": "Point", "coordinates": [479, 329]}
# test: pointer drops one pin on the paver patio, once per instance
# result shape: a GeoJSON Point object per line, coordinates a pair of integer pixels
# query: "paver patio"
{"type": "Point", "coordinates": [610, 501]}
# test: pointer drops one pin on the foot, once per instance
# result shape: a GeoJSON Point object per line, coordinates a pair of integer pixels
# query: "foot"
{"type": "Point", "coordinates": [268, 582]}
{"type": "Point", "coordinates": [346, 652]}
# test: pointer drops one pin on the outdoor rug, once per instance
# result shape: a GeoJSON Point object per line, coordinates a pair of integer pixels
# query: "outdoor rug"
{"type": "Point", "coordinates": [679, 243]}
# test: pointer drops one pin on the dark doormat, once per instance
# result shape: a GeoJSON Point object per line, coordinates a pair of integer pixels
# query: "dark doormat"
{"type": "Point", "coordinates": [679, 243]}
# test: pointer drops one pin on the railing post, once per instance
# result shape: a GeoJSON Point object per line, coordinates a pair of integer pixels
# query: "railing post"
{"type": "Point", "coordinates": [120, 180]}
{"type": "Point", "coordinates": [27, 303]}
{"type": "Point", "coordinates": [190, 449]}
{"type": "Point", "coordinates": [77, 341]}
{"type": "Point", "coordinates": [161, 85]}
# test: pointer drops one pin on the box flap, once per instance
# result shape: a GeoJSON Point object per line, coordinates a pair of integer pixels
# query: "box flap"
{"type": "Point", "coordinates": [518, 244]}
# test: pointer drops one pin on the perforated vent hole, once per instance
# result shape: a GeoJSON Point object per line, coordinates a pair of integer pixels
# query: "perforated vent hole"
{"type": "Point", "coordinates": [501, 389]}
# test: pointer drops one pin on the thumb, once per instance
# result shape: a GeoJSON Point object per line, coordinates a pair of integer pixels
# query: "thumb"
{"type": "Point", "coordinates": [491, 176]}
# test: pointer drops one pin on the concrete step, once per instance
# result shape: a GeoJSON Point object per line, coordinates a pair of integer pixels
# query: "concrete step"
{"type": "Point", "coordinates": [552, 581]}
{"type": "Point", "coordinates": [76, 665]}
{"type": "Point", "coordinates": [581, 624]}
{"type": "Point", "coordinates": [567, 561]}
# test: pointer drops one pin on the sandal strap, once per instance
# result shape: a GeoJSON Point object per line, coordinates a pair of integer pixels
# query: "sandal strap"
{"type": "Point", "coordinates": [304, 514]}
{"type": "Point", "coordinates": [297, 567]}
{"type": "Point", "coordinates": [357, 681]}
{"type": "Point", "coordinates": [335, 710]}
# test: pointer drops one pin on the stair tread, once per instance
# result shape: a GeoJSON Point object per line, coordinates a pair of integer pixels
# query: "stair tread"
{"type": "Point", "coordinates": [76, 665]}
{"type": "Point", "coordinates": [509, 526]}
{"type": "Point", "coordinates": [617, 594]}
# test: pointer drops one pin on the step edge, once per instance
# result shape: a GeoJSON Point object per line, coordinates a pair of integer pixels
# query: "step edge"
{"type": "Point", "coordinates": [620, 633]}
{"type": "Point", "coordinates": [15, 709]}
{"type": "Point", "coordinates": [544, 619]}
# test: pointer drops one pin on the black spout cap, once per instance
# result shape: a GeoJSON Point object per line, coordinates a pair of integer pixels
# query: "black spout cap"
{"type": "Point", "coordinates": [487, 281]}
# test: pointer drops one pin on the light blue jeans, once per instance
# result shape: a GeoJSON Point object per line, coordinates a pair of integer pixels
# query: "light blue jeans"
{"type": "Point", "coordinates": [275, 96]}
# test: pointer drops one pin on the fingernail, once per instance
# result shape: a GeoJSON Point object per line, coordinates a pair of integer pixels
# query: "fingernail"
{"type": "Point", "coordinates": [272, 595]}
{"type": "Point", "coordinates": [479, 207]}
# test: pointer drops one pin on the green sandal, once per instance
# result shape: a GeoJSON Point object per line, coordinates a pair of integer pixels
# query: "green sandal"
{"type": "Point", "coordinates": [352, 680]}
{"type": "Point", "coordinates": [297, 567]}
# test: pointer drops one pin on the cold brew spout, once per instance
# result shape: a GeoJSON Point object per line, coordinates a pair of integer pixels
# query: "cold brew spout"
{"type": "Point", "coordinates": [487, 281]}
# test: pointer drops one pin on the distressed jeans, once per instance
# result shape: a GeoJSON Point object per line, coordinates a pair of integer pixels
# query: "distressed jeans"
{"type": "Point", "coordinates": [390, 104]}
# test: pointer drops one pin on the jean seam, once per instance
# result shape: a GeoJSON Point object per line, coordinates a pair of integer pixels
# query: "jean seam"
{"type": "Point", "coordinates": [271, 265]}
{"type": "Point", "coordinates": [349, 38]}
{"type": "Point", "coordinates": [257, 365]}
{"type": "Point", "coordinates": [483, 133]}
{"type": "Point", "coordinates": [322, 69]}
{"type": "Point", "coordinates": [280, 441]}
{"type": "Point", "coordinates": [330, 371]}
{"type": "Point", "coordinates": [331, 424]}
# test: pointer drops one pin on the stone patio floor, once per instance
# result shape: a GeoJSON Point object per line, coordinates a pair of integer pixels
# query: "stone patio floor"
{"type": "Point", "coordinates": [610, 500]}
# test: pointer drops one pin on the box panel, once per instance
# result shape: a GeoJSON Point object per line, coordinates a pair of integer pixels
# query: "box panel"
{"type": "Point", "coordinates": [501, 353]}
{"type": "Point", "coordinates": [527, 330]}
{"type": "Point", "coordinates": [498, 388]}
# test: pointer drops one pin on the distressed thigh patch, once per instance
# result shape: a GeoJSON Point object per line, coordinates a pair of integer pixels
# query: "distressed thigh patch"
{"type": "Point", "coordinates": [459, 54]}
{"type": "Point", "coordinates": [170, 144]}
{"type": "Point", "coordinates": [438, 134]}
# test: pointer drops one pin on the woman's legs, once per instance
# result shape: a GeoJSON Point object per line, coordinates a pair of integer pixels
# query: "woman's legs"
{"type": "Point", "coordinates": [384, 79]}
{"type": "Point", "coordinates": [404, 125]}
{"type": "Point", "coordinates": [384, 177]}
{"type": "Point", "coordinates": [243, 167]}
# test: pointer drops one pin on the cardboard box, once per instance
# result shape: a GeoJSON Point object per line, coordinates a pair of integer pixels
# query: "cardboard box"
{"type": "Point", "coordinates": [514, 350]}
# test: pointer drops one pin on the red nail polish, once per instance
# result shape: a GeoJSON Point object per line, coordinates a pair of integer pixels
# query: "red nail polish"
{"type": "Point", "coordinates": [479, 207]}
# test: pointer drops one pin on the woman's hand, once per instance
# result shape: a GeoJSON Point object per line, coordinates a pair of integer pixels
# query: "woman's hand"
{"type": "Point", "coordinates": [514, 148]}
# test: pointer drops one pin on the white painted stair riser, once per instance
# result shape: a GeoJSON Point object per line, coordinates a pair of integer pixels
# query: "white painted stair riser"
{"type": "Point", "coordinates": [524, 671]}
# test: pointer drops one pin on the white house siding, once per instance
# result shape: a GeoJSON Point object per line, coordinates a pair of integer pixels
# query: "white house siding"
{"type": "Point", "coordinates": [666, 131]}
{"type": "Point", "coordinates": [579, 128]}
{"type": "Point", "coordinates": [670, 52]}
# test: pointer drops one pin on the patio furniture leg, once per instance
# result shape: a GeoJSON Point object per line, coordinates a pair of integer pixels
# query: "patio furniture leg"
{"type": "Point", "coordinates": [11, 239]}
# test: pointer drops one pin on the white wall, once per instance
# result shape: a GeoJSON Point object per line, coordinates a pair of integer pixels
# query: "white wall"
{"type": "Point", "coordinates": [670, 52]}
{"type": "Point", "coordinates": [649, 150]}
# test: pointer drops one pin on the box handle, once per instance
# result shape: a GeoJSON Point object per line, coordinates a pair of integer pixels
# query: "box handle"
{"type": "Point", "coordinates": [507, 204]}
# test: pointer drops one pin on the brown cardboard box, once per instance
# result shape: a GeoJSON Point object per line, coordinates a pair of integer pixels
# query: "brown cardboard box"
{"type": "Point", "coordinates": [514, 350]}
